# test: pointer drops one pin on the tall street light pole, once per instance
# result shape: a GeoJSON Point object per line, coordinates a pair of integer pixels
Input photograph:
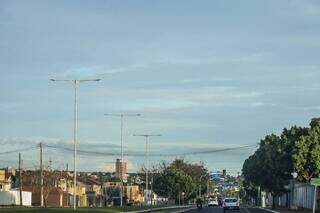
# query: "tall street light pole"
{"type": "Point", "coordinates": [75, 129]}
{"type": "Point", "coordinates": [147, 161]}
{"type": "Point", "coordinates": [122, 115]}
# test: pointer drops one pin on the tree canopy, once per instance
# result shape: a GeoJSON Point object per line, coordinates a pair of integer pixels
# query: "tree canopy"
{"type": "Point", "coordinates": [297, 149]}
{"type": "Point", "coordinates": [179, 179]}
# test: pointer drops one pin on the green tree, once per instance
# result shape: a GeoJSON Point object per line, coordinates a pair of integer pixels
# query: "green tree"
{"type": "Point", "coordinates": [197, 171]}
{"type": "Point", "coordinates": [172, 182]}
{"type": "Point", "coordinates": [307, 158]}
{"type": "Point", "coordinates": [268, 167]}
{"type": "Point", "coordinates": [290, 138]}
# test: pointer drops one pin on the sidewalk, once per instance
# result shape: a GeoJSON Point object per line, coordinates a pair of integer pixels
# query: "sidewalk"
{"type": "Point", "coordinates": [284, 210]}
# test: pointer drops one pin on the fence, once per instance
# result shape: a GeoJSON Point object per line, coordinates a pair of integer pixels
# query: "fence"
{"type": "Point", "coordinates": [302, 196]}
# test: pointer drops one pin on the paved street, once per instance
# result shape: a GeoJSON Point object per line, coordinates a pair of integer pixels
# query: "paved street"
{"type": "Point", "coordinates": [219, 210]}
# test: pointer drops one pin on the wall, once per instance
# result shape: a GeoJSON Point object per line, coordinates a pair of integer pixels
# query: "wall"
{"type": "Point", "coordinates": [13, 198]}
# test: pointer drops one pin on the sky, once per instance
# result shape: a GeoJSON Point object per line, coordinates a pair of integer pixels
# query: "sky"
{"type": "Point", "coordinates": [206, 75]}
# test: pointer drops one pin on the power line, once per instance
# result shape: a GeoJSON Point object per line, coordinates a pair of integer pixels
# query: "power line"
{"type": "Point", "coordinates": [18, 150]}
{"type": "Point", "coordinates": [203, 152]}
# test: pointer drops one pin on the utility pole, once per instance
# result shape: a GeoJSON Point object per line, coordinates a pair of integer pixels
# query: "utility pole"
{"type": "Point", "coordinates": [50, 164]}
{"type": "Point", "coordinates": [20, 175]}
{"type": "Point", "coordinates": [75, 82]}
{"type": "Point", "coordinates": [41, 177]}
{"type": "Point", "coordinates": [147, 164]}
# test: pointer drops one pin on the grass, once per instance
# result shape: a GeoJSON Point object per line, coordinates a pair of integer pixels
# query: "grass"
{"type": "Point", "coordinates": [70, 210]}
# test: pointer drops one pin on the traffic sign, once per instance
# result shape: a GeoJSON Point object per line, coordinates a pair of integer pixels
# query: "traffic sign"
{"type": "Point", "coordinates": [315, 181]}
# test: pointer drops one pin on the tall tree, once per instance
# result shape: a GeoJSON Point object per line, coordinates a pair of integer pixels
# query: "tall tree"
{"type": "Point", "coordinates": [268, 167]}
{"type": "Point", "coordinates": [290, 138]}
{"type": "Point", "coordinates": [197, 171]}
{"type": "Point", "coordinates": [307, 158]}
{"type": "Point", "coordinates": [172, 182]}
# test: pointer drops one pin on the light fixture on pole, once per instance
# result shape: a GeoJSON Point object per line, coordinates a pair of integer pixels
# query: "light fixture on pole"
{"type": "Point", "coordinates": [147, 161]}
{"type": "Point", "coordinates": [121, 115]}
{"type": "Point", "coordinates": [75, 135]}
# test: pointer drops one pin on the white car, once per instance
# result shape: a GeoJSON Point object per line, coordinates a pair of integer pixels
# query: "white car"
{"type": "Point", "coordinates": [231, 204]}
{"type": "Point", "coordinates": [213, 202]}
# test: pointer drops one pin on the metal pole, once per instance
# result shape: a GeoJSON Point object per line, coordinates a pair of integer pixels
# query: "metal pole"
{"type": "Point", "coordinates": [314, 199]}
{"type": "Point", "coordinates": [122, 115]}
{"type": "Point", "coordinates": [41, 177]}
{"type": "Point", "coordinates": [121, 176]}
{"type": "Point", "coordinates": [75, 82]}
{"type": "Point", "coordinates": [151, 187]}
{"type": "Point", "coordinates": [20, 174]}
{"type": "Point", "coordinates": [147, 166]}
{"type": "Point", "coordinates": [147, 163]}
{"type": "Point", "coordinates": [75, 145]}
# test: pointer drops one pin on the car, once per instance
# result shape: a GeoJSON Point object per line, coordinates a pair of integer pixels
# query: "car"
{"type": "Point", "coordinates": [231, 204]}
{"type": "Point", "coordinates": [213, 202]}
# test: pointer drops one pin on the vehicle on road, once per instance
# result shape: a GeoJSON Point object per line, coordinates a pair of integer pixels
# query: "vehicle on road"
{"type": "Point", "coordinates": [231, 204]}
{"type": "Point", "coordinates": [199, 203]}
{"type": "Point", "coordinates": [213, 203]}
{"type": "Point", "coordinates": [220, 201]}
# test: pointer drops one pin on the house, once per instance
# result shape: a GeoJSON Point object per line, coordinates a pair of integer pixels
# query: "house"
{"type": "Point", "coordinates": [134, 194]}
{"type": "Point", "coordinates": [53, 195]}
{"type": "Point", "coordinates": [7, 178]}
{"type": "Point", "coordinates": [111, 184]}
{"type": "Point", "coordinates": [55, 198]}
{"type": "Point", "coordinates": [93, 189]}
{"type": "Point", "coordinates": [81, 196]}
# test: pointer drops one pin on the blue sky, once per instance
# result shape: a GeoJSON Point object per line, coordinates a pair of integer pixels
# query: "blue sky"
{"type": "Point", "coordinates": [204, 74]}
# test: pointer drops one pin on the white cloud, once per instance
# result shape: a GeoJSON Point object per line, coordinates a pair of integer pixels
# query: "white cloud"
{"type": "Point", "coordinates": [97, 71]}
{"type": "Point", "coordinates": [254, 57]}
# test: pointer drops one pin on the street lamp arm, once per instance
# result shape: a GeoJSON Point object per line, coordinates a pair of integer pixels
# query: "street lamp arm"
{"type": "Point", "coordinates": [146, 135]}
{"type": "Point", "coordinates": [121, 114]}
{"type": "Point", "coordinates": [75, 80]}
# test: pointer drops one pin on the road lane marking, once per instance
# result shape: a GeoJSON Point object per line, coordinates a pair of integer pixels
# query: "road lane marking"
{"type": "Point", "coordinates": [268, 210]}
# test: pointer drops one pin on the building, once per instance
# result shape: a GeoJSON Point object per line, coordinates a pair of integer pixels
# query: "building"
{"type": "Point", "coordinates": [7, 178]}
{"type": "Point", "coordinates": [93, 192]}
{"type": "Point", "coordinates": [134, 194]}
{"type": "Point", "coordinates": [111, 184]}
{"type": "Point", "coordinates": [121, 169]}
{"type": "Point", "coordinates": [54, 197]}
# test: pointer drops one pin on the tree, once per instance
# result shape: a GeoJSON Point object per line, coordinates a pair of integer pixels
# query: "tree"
{"type": "Point", "coordinates": [307, 158]}
{"type": "Point", "coordinates": [195, 170]}
{"type": "Point", "coordinates": [264, 168]}
{"type": "Point", "coordinates": [297, 149]}
{"type": "Point", "coordinates": [290, 138]}
{"type": "Point", "coordinates": [172, 182]}
{"type": "Point", "coordinates": [50, 182]}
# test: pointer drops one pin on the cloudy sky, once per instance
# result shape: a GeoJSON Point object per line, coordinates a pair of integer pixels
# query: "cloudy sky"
{"type": "Point", "coordinates": [207, 75]}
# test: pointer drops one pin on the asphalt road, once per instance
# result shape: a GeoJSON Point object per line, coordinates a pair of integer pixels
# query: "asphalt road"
{"type": "Point", "coordinates": [219, 210]}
